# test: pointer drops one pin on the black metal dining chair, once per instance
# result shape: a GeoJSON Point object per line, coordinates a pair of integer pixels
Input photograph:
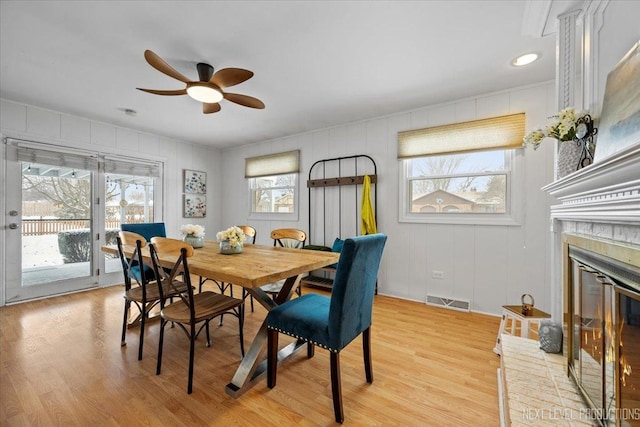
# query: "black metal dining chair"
{"type": "Point", "coordinates": [192, 312]}
{"type": "Point", "coordinates": [139, 288]}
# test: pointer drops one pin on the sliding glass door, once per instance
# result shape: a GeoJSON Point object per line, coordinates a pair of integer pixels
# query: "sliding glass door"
{"type": "Point", "coordinates": [62, 207]}
{"type": "Point", "coordinates": [50, 241]}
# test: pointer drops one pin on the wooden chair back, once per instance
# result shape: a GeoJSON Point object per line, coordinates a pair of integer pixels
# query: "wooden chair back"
{"type": "Point", "coordinates": [280, 236]}
{"type": "Point", "coordinates": [129, 238]}
{"type": "Point", "coordinates": [166, 245]}
{"type": "Point", "coordinates": [249, 231]}
{"type": "Point", "coordinates": [168, 279]}
{"type": "Point", "coordinates": [126, 238]}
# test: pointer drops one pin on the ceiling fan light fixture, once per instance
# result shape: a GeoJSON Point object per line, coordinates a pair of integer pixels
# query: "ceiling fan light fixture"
{"type": "Point", "coordinates": [209, 89]}
{"type": "Point", "coordinates": [204, 92]}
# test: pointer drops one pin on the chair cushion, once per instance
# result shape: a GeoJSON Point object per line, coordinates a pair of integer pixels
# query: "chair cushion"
{"type": "Point", "coordinates": [134, 272]}
{"type": "Point", "coordinates": [306, 317]}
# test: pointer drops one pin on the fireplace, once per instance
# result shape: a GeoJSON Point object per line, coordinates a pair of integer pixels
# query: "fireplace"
{"type": "Point", "coordinates": [602, 327]}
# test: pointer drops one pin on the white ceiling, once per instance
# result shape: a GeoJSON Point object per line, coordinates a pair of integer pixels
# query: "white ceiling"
{"type": "Point", "coordinates": [317, 64]}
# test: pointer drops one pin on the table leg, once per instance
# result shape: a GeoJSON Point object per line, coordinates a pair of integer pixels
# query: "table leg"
{"type": "Point", "coordinates": [133, 321]}
{"type": "Point", "coordinates": [253, 367]}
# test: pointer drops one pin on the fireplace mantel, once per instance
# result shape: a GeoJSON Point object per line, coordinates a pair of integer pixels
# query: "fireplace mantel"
{"type": "Point", "coordinates": [601, 201]}
{"type": "Point", "coordinates": [606, 192]}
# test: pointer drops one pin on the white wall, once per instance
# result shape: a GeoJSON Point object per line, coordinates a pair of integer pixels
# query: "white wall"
{"type": "Point", "coordinates": [41, 125]}
{"type": "Point", "coordinates": [489, 265]}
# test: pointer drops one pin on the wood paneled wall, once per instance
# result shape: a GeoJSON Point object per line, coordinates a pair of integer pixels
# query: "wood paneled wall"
{"type": "Point", "coordinates": [489, 265]}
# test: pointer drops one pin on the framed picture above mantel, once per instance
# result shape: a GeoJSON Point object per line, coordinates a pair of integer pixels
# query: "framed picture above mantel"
{"type": "Point", "coordinates": [620, 121]}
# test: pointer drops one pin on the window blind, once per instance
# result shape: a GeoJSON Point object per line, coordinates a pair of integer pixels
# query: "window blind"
{"type": "Point", "coordinates": [75, 159]}
{"type": "Point", "coordinates": [487, 134]}
{"type": "Point", "coordinates": [131, 167]}
{"type": "Point", "coordinates": [272, 164]}
{"type": "Point", "coordinates": [64, 159]}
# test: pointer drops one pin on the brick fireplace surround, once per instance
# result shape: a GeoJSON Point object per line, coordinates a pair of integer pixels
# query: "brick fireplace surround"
{"type": "Point", "coordinates": [600, 203]}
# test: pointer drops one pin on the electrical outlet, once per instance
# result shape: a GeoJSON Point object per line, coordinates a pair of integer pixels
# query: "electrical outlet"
{"type": "Point", "coordinates": [437, 274]}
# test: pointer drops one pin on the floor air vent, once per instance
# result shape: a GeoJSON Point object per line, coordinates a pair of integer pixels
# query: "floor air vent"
{"type": "Point", "coordinates": [453, 304]}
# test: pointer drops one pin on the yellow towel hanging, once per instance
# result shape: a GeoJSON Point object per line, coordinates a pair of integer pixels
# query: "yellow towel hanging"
{"type": "Point", "coordinates": [368, 223]}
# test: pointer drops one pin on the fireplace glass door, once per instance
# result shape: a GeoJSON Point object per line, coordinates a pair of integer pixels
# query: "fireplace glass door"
{"type": "Point", "coordinates": [605, 346]}
{"type": "Point", "coordinates": [590, 342]}
{"type": "Point", "coordinates": [629, 356]}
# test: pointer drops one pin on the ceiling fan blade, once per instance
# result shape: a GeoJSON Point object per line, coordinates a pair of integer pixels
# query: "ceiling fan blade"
{"type": "Point", "coordinates": [165, 92]}
{"type": "Point", "coordinates": [159, 64]}
{"type": "Point", "coordinates": [210, 108]}
{"type": "Point", "coordinates": [230, 76]}
{"type": "Point", "coordinates": [247, 101]}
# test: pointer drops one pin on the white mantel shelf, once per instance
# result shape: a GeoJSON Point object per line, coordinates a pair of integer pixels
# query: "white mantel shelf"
{"type": "Point", "coordinates": [607, 191]}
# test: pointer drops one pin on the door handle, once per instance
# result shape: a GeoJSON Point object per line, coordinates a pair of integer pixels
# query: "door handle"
{"type": "Point", "coordinates": [13, 226]}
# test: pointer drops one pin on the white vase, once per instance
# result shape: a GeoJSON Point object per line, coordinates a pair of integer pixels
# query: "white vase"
{"type": "Point", "coordinates": [568, 158]}
{"type": "Point", "coordinates": [196, 242]}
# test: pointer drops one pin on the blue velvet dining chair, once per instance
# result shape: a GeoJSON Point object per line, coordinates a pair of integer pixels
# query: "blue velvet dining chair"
{"type": "Point", "coordinates": [333, 322]}
{"type": "Point", "coordinates": [146, 229]}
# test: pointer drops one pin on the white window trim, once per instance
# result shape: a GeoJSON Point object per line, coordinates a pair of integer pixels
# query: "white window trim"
{"type": "Point", "coordinates": [515, 166]}
{"type": "Point", "coordinates": [276, 216]}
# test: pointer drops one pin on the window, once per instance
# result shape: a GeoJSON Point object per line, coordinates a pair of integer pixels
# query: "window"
{"type": "Point", "coordinates": [273, 194]}
{"type": "Point", "coordinates": [461, 173]}
{"type": "Point", "coordinates": [273, 184]}
{"type": "Point", "coordinates": [470, 183]}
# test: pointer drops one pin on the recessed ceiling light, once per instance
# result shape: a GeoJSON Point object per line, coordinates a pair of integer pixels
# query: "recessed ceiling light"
{"type": "Point", "coordinates": [524, 59]}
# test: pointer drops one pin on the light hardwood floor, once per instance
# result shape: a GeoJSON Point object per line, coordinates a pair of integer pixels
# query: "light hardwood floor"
{"type": "Point", "coordinates": [61, 364]}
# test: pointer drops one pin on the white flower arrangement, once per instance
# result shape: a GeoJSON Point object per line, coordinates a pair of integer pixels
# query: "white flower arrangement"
{"type": "Point", "coordinates": [192, 230]}
{"type": "Point", "coordinates": [562, 128]}
{"type": "Point", "coordinates": [234, 235]}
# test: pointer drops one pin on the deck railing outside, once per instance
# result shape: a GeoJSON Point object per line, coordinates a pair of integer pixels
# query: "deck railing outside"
{"type": "Point", "coordinates": [41, 227]}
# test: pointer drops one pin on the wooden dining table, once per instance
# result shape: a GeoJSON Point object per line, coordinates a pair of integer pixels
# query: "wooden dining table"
{"type": "Point", "coordinates": [255, 266]}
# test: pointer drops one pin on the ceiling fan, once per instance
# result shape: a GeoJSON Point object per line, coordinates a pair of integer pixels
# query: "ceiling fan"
{"type": "Point", "coordinates": [209, 89]}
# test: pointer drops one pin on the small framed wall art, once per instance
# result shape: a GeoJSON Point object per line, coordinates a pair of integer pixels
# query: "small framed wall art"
{"type": "Point", "coordinates": [195, 206]}
{"type": "Point", "coordinates": [195, 182]}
